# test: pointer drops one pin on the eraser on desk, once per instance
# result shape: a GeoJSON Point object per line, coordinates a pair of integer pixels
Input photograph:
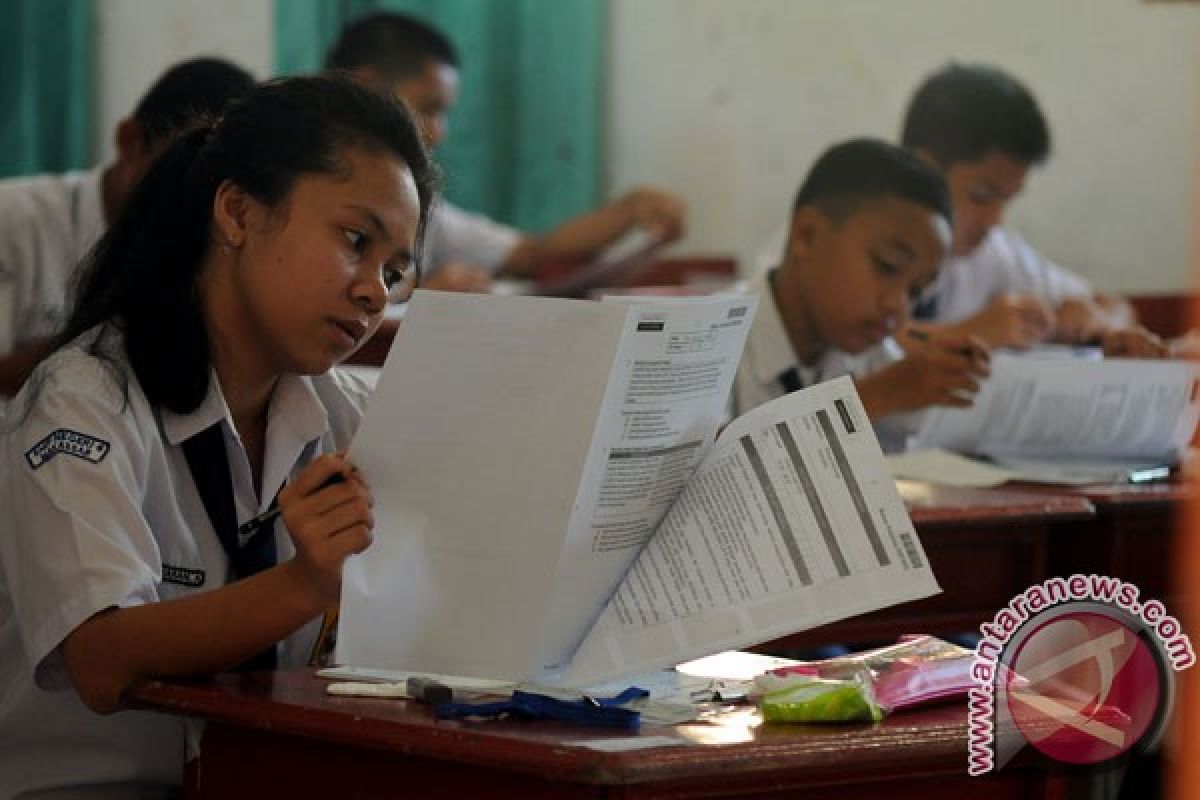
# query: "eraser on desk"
{"type": "Point", "coordinates": [427, 690]}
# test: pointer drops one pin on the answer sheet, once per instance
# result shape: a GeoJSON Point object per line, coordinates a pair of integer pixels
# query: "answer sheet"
{"type": "Point", "coordinates": [521, 450]}
{"type": "Point", "coordinates": [1072, 409]}
{"type": "Point", "coordinates": [793, 520]}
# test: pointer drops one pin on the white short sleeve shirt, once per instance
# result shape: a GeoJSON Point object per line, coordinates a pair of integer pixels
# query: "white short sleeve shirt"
{"type": "Point", "coordinates": [769, 354]}
{"type": "Point", "coordinates": [453, 235]}
{"type": "Point", "coordinates": [1003, 262]}
{"type": "Point", "coordinates": [101, 511]}
{"type": "Point", "coordinates": [47, 225]}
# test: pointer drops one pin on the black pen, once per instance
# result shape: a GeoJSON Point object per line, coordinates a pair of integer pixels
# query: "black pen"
{"type": "Point", "coordinates": [265, 518]}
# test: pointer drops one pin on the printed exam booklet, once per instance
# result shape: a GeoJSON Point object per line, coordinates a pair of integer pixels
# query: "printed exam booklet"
{"type": "Point", "coordinates": [553, 504]}
{"type": "Point", "coordinates": [1068, 419]}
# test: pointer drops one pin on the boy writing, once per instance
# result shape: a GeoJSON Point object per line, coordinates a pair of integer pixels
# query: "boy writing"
{"type": "Point", "coordinates": [870, 227]}
{"type": "Point", "coordinates": [984, 130]}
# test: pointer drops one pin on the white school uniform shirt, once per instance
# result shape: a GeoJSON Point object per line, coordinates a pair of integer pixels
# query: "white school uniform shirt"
{"type": "Point", "coordinates": [1003, 262]}
{"type": "Point", "coordinates": [769, 354]}
{"type": "Point", "coordinates": [47, 225]}
{"type": "Point", "coordinates": [100, 511]}
{"type": "Point", "coordinates": [453, 235]}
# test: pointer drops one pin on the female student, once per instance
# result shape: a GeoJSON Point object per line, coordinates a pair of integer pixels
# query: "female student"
{"type": "Point", "coordinates": [191, 393]}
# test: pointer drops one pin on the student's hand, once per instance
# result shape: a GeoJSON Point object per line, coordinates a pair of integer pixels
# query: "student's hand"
{"type": "Point", "coordinates": [1133, 342]}
{"type": "Point", "coordinates": [327, 521]}
{"type": "Point", "coordinates": [1078, 320]}
{"type": "Point", "coordinates": [1186, 346]}
{"type": "Point", "coordinates": [658, 212]}
{"type": "Point", "coordinates": [944, 371]}
{"type": "Point", "coordinates": [459, 277]}
{"type": "Point", "coordinates": [1011, 320]}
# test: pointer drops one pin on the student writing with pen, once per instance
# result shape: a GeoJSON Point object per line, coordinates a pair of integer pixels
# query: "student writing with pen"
{"type": "Point", "coordinates": [870, 227]}
{"type": "Point", "coordinates": [192, 388]}
{"type": "Point", "coordinates": [984, 131]}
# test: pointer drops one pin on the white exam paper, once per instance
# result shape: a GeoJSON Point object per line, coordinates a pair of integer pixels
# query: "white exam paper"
{"type": "Point", "coordinates": [792, 521]}
{"type": "Point", "coordinates": [1073, 409]}
{"type": "Point", "coordinates": [520, 450]}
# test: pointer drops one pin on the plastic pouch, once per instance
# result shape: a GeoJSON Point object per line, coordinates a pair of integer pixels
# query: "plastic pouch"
{"type": "Point", "coordinates": [822, 700]}
{"type": "Point", "coordinates": [916, 671]}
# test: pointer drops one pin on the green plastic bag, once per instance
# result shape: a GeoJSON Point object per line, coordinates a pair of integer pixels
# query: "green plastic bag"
{"type": "Point", "coordinates": [822, 700]}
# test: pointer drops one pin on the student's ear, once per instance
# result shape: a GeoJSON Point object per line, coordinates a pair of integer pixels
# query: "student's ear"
{"type": "Point", "coordinates": [807, 224]}
{"type": "Point", "coordinates": [131, 141]}
{"type": "Point", "coordinates": [231, 211]}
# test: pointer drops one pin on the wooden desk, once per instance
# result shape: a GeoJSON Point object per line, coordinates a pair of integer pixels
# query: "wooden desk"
{"type": "Point", "coordinates": [280, 735]}
{"type": "Point", "coordinates": [984, 546]}
{"type": "Point", "coordinates": [1131, 537]}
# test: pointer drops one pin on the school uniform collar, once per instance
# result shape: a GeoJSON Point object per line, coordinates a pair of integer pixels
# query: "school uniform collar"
{"type": "Point", "coordinates": [295, 408]}
{"type": "Point", "coordinates": [772, 353]}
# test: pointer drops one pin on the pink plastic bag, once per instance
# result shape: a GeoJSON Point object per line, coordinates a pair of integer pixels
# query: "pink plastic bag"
{"type": "Point", "coordinates": [916, 670]}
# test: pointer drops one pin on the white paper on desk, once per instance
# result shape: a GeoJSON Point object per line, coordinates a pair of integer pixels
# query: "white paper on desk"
{"type": "Point", "coordinates": [517, 448]}
{"type": "Point", "coordinates": [792, 521]}
{"type": "Point", "coordinates": [948, 469]}
{"type": "Point", "coordinates": [1073, 409]}
{"type": "Point", "coordinates": [952, 469]}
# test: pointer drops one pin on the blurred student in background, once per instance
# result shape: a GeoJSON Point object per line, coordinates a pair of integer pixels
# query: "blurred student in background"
{"type": "Point", "coordinates": [984, 130]}
{"type": "Point", "coordinates": [463, 250]}
{"type": "Point", "coordinates": [49, 222]}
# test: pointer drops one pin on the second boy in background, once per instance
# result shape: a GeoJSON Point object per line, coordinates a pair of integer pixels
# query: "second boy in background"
{"type": "Point", "coordinates": [984, 130]}
{"type": "Point", "coordinates": [870, 227]}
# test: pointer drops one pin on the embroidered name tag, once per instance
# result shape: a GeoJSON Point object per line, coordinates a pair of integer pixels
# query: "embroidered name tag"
{"type": "Point", "coordinates": [73, 443]}
{"type": "Point", "coordinates": [182, 575]}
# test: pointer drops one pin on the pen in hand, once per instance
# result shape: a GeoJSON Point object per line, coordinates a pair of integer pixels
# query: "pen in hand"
{"type": "Point", "coordinates": [978, 354]}
{"type": "Point", "coordinates": [263, 519]}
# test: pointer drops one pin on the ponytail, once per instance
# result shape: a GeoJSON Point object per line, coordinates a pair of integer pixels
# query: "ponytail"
{"type": "Point", "coordinates": [141, 278]}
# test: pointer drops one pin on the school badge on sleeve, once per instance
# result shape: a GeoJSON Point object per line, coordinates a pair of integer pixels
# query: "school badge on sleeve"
{"type": "Point", "coordinates": [73, 443]}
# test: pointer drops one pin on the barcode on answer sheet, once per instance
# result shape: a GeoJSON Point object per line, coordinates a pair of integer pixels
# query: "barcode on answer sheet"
{"type": "Point", "coordinates": [910, 550]}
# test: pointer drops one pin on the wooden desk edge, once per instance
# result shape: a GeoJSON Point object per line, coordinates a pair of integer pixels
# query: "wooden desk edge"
{"type": "Point", "coordinates": [540, 748]}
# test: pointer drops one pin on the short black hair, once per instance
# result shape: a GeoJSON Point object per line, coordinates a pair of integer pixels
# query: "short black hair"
{"type": "Point", "coordinates": [398, 45]}
{"type": "Point", "coordinates": [962, 112]}
{"type": "Point", "coordinates": [197, 89]}
{"type": "Point", "coordinates": [858, 171]}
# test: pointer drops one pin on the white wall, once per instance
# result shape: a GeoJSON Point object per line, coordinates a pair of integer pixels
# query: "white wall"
{"type": "Point", "coordinates": [138, 39]}
{"type": "Point", "coordinates": [728, 103]}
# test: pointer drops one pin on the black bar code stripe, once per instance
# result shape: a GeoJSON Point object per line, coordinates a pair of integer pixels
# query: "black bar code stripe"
{"type": "Point", "coordinates": [860, 503]}
{"type": "Point", "coordinates": [814, 501]}
{"type": "Point", "coordinates": [910, 550]}
{"type": "Point", "coordinates": [789, 539]}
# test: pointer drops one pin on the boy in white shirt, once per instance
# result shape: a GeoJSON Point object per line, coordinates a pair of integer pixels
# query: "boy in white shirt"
{"type": "Point", "coordinates": [984, 130]}
{"type": "Point", "coordinates": [48, 223]}
{"type": "Point", "coordinates": [420, 65]}
{"type": "Point", "coordinates": [870, 227]}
